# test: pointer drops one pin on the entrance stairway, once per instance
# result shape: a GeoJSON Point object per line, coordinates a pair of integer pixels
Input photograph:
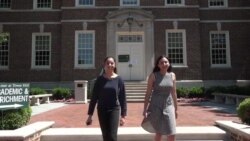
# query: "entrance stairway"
{"type": "Point", "coordinates": [135, 90]}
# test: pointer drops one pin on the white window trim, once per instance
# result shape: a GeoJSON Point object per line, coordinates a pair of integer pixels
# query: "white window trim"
{"type": "Point", "coordinates": [78, 5]}
{"type": "Point", "coordinates": [35, 5]}
{"type": "Point", "coordinates": [121, 3]}
{"type": "Point", "coordinates": [7, 67]}
{"type": "Point", "coordinates": [183, 31]}
{"type": "Point", "coordinates": [170, 5]}
{"type": "Point", "coordinates": [33, 65]}
{"type": "Point", "coordinates": [227, 50]}
{"type": "Point", "coordinates": [84, 66]}
{"type": "Point", "coordinates": [225, 4]}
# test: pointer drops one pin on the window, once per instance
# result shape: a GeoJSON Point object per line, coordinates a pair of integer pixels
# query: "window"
{"type": "Point", "coordinates": [85, 2]}
{"type": "Point", "coordinates": [174, 2]}
{"type": "Point", "coordinates": [5, 3]}
{"type": "Point", "coordinates": [129, 2]}
{"type": "Point", "coordinates": [84, 49]}
{"type": "Point", "coordinates": [176, 47]}
{"type": "Point", "coordinates": [4, 51]}
{"type": "Point", "coordinates": [217, 3]}
{"type": "Point", "coordinates": [40, 4]}
{"type": "Point", "coordinates": [130, 38]}
{"type": "Point", "coordinates": [219, 49]}
{"type": "Point", "coordinates": [41, 50]}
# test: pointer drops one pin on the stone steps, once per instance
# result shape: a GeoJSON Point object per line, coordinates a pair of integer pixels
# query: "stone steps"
{"type": "Point", "coordinates": [135, 91]}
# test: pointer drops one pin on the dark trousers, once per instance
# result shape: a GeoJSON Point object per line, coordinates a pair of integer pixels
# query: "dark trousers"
{"type": "Point", "coordinates": [109, 121]}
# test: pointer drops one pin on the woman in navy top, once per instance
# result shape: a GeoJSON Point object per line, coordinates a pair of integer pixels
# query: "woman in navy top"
{"type": "Point", "coordinates": [109, 94]}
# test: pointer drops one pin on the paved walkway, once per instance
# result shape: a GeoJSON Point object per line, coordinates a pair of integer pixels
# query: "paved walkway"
{"type": "Point", "coordinates": [189, 114]}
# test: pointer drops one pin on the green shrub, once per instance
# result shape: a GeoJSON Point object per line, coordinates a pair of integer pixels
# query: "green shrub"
{"type": "Point", "coordinates": [61, 93]}
{"type": "Point", "coordinates": [36, 91]}
{"type": "Point", "coordinates": [15, 118]}
{"type": "Point", "coordinates": [197, 92]}
{"type": "Point", "coordinates": [243, 111]}
{"type": "Point", "coordinates": [182, 92]}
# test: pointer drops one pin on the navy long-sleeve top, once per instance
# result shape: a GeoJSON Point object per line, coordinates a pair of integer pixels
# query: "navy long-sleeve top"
{"type": "Point", "coordinates": [108, 94]}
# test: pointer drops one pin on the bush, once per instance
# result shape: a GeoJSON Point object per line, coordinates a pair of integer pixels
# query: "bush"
{"type": "Point", "coordinates": [182, 92]}
{"type": "Point", "coordinates": [36, 91]}
{"type": "Point", "coordinates": [15, 118]}
{"type": "Point", "coordinates": [243, 111]}
{"type": "Point", "coordinates": [197, 92]}
{"type": "Point", "coordinates": [61, 93]}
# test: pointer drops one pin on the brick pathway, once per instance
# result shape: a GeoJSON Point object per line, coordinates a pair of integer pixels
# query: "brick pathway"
{"type": "Point", "coordinates": [189, 114]}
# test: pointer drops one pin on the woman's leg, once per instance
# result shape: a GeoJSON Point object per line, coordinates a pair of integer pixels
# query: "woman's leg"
{"type": "Point", "coordinates": [114, 123]}
{"type": "Point", "coordinates": [109, 121]}
{"type": "Point", "coordinates": [157, 137]}
{"type": "Point", "coordinates": [171, 138]}
{"type": "Point", "coordinates": [103, 120]}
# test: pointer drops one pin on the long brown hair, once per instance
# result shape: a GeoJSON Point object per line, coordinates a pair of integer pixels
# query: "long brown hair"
{"type": "Point", "coordinates": [156, 68]}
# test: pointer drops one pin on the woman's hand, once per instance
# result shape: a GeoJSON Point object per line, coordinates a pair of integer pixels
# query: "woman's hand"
{"type": "Point", "coordinates": [122, 121]}
{"type": "Point", "coordinates": [89, 120]}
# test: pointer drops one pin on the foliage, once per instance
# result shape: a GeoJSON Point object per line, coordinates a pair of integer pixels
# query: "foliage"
{"type": "Point", "coordinates": [61, 93]}
{"type": "Point", "coordinates": [192, 92]}
{"type": "Point", "coordinates": [15, 118]}
{"type": "Point", "coordinates": [36, 91]}
{"type": "Point", "coordinates": [243, 111]}
{"type": "Point", "coordinates": [3, 37]}
{"type": "Point", "coordinates": [182, 92]}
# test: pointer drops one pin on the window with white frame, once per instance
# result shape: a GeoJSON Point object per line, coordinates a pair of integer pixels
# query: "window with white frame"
{"type": "Point", "coordinates": [42, 4]}
{"type": "Point", "coordinates": [176, 47]}
{"type": "Point", "coordinates": [174, 2]}
{"type": "Point", "coordinates": [4, 51]}
{"type": "Point", "coordinates": [41, 50]}
{"type": "Point", "coordinates": [129, 2]}
{"type": "Point", "coordinates": [84, 49]}
{"type": "Point", "coordinates": [85, 2]}
{"type": "Point", "coordinates": [219, 49]}
{"type": "Point", "coordinates": [217, 3]}
{"type": "Point", "coordinates": [5, 3]}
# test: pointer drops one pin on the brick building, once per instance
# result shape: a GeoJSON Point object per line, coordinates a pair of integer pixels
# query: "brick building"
{"type": "Point", "coordinates": [54, 42]}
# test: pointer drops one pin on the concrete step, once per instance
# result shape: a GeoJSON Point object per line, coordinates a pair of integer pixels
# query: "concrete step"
{"type": "Point", "coordinates": [204, 133]}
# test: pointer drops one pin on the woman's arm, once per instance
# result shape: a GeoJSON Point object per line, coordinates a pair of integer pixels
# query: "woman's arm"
{"type": "Point", "coordinates": [122, 98]}
{"type": "Point", "coordinates": [151, 80]}
{"type": "Point", "coordinates": [174, 94]}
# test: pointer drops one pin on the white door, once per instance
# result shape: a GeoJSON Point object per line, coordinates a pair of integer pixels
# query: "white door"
{"type": "Point", "coordinates": [130, 56]}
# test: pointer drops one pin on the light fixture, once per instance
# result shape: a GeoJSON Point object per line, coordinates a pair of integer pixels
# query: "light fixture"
{"type": "Point", "coordinates": [130, 20]}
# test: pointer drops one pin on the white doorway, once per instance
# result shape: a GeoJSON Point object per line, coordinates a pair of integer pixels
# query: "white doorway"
{"type": "Point", "coordinates": [130, 55]}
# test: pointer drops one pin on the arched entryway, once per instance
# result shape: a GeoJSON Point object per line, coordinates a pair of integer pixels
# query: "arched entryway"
{"type": "Point", "coordinates": [130, 41]}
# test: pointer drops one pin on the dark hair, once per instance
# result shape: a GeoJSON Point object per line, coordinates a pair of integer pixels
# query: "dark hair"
{"type": "Point", "coordinates": [115, 69]}
{"type": "Point", "coordinates": [156, 68]}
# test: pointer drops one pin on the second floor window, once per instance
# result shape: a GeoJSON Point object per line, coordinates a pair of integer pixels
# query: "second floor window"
{"type": "Point", "coordinates": [41, 50]}
{"type": "Point", "coordinates": [5, 3]}
{"type": "Point", "coordinates": [85, 2]}
{"type": "Point", "coordinates": [43, 4]}
{"type": "Point", "coordinates": [174, 2]}
{"type": "Point", "coordinates": [4, 51]}
{"type": "Point", "coordinates": [217, 3]}
{"type": "Point", "coordinates": [129, 2]}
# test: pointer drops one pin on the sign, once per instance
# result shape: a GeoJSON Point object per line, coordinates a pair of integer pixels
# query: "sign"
{"type": "Point", "coordinates": [14, 95]}
{"type": "Point", "coordinates": [123, 58]}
